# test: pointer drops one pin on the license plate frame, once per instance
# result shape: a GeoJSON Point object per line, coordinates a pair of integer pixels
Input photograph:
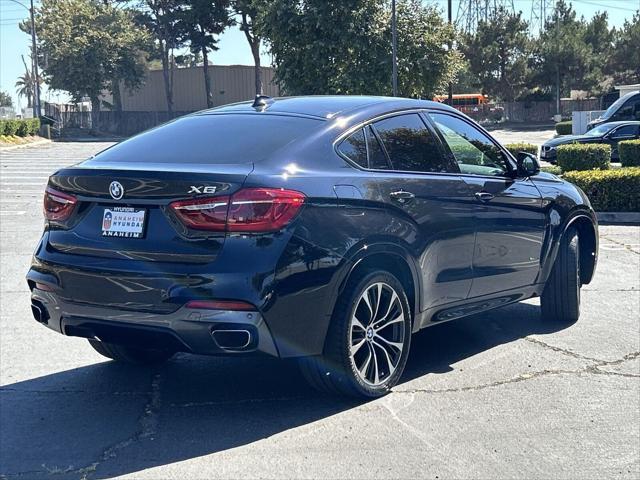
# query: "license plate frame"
{"type": "Point", "coordinates": [124, 222]}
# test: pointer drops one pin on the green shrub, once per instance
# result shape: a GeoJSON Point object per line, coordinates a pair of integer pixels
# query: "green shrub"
{"type": "Point", "coordinates": [564, 128]}
{"type": "Point", "coordinates": [629, 151]}
{"type": "Point", "coordinates": [610, 190]}
{"type": "Point", "coordinates": [556, 170]}
{"type": "Point", "coordinates": [2, 124]}
{"type": "Point", "coordinates": [10, 127]}
{"type": "Point", "coordinates": [588, 156]}
{"type": "Point", "coordinates": [23, 128]}
{"type": "Point", "coordinates": [514, 148]}
{"type": "Point", "coordinates": [34, 126]}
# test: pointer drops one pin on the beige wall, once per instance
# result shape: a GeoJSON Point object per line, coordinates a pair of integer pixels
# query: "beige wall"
{"type": "Point", "coordinates": [232, 83]}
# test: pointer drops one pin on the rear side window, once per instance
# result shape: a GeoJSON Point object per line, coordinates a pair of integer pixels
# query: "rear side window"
{"type": "Point", "coordinates": [354, 147]}
{"type": "Point", "coordinates": [410, 145]}
{"type": "Point", "coordinates": [213, 139]}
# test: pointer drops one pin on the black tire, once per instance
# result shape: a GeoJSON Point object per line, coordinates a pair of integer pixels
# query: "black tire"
{"type": "Point", "coordinates": [560, 300]}
{"type": "Point", "coordinates": [130, 354]}
{"type": "Point", "coordinates": [335, 371]}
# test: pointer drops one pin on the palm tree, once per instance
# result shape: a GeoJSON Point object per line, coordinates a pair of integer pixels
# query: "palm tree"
{"type": "Point", "coordinates": [26, 85]}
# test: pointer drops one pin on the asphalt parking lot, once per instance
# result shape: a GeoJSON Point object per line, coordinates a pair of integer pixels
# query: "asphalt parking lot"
{"type": "Point", "coordinates": [497, 395]}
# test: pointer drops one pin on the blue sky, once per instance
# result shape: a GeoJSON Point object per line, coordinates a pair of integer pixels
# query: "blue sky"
{"type": "Point", "coordinates": [233, 45]}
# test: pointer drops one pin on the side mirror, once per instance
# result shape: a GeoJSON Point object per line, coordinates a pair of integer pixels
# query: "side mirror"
{"type": "Point", "coordinates": [527, 164]}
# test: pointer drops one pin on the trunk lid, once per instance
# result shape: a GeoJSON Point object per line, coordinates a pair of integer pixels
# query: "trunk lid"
{"type": "Point", "coordinates": [148, 188]}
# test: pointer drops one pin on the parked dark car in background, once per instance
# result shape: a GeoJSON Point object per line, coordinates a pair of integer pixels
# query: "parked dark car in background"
{"type": "Point", "coordinates": [607, 133]}
{"type": "Point", "coordinates": [625, 108]}
{"type": "Point", "coordinates": [327, 229]}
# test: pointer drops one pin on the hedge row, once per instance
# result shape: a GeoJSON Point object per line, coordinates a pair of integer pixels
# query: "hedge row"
{"type": "Point", "coordinates": [564, 128]}
{"type": "Point", "coordinates": [21, 128]}
{"type": "Point", "coordinates": [514, 148]}
{"type": "Point", "coordinates": [610, 190]}
{"type": "Point", "coordinates": [584, 156]}
{"type": "Point", "coordinates": [629, 151]}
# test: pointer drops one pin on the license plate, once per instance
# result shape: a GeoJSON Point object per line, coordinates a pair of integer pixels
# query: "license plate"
{"type": "Point", "coordinates": [124, 222]}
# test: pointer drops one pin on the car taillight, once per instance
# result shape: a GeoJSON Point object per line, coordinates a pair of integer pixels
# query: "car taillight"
{"type": "Point", "coordinates": [250, 210]}
{"type": "Point", "coordinates": [58, 206]}
{"type": "Point", "coordinates": [236, 305]}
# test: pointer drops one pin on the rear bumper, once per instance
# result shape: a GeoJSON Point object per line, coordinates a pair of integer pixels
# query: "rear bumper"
{"type": "Point", "coordinates": [189, 330]}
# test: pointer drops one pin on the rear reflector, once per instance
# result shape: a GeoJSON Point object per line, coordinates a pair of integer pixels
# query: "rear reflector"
{"type": "Point", "coordinates": [58, 206]}
{"type": "Point", "coordinates": [250, 210]}
{"type": "Point", "coordinates": [237, 305]}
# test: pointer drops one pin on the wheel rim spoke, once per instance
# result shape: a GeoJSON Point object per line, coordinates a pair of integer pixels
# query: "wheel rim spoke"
{"type": "Point", "coordinates": [380, 359]}
{"type": "Point", "coordinates": [390, 365]}
{"type": "Point", "coordinates": [358, 346]}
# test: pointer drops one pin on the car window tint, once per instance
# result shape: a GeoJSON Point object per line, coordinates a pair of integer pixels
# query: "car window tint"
{"type": "Point", "coordinates": [377, 157]}
{"type": "Point", "coordinates": [475, 153]}
{"type": "Point", "coordinates": [626, 130]}
{"type": "Point", "coordinates": [410, 145]}
{"type": "Point", "coordinates": [213, 139]}
{"type": "Point", "coordinates": [354, 147]}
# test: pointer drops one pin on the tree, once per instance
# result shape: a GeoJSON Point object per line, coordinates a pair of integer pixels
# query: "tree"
{"type": "Point", "coordinates": [5, 99]}
{"type": "Point", "coordinates": [162, 19]}
{"type": "Point", "coordinates": [344, 47]}
{"type": "Point", "coordinates": [26, 85]}
{"type": "Point", "coordinates": [561, 57]}
{"type": "Point", "coordinates": [248, 10]}
{"type": "Point", "coordinates": [87, 44]}
{"type": "Point", "coordinates": [626, 60]}
{"type": "Point", "coordinates": [202, 21]}
{"type": "Point", "coordinates": [600, 38]}
{"type": "Point", "coordinates": [497, 54]}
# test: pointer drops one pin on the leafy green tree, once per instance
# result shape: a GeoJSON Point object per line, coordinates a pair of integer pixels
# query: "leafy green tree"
{"type": "Point", "coordinates": [626, 59]}
{"type": "Point", "coordinates": [344, 46]}
{"type": "Point", "coordinates": [26, 85]}
{"type": "Point", "coordinates": [600, 38]}
{"type": "Point", "coordinates": [87, 44]}
{"type": "Point", "coordinates": [248, 10]}
{"type": "Point", "coordinates": [5, 99]}
{"type": "Point", "coordinates": [498, 54]}
{"type": "Point", "coordinates": [161, 18]}
{"type": "Point", "coordinates": [561, 55]}
{"type": "Point", "coordinates": [202, 21]}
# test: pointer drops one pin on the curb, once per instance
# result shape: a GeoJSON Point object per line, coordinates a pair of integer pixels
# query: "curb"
{"type": "Point", "coordinates": [619, 218]}
{"type": "Point", "coordinates": [42, 141]}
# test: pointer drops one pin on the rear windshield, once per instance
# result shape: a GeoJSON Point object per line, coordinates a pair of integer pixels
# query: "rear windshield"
{"type": "Point", "coordinates": [212, 139]}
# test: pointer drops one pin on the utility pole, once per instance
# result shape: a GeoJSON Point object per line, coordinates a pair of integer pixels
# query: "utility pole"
{"type": "Point", "coordinates": [557, 62]}
{"type": "Point", "coordinates": [394, 47]}
{"type": "Point", "coordinates": [34, 47]}
{"type": "Point", "coordinates": [34, 58]}
{"type": "Point", "coordinates": [450, 48]}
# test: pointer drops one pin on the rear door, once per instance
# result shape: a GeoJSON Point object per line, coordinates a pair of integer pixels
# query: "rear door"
{"type": "Point", "coordinates": [624, 132]}
{"type": "Point", "coordinates": [429, 202]}
{"type": "Point", "coordinates": [510, 221]}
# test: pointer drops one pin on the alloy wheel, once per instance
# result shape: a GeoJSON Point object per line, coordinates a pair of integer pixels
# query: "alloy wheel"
{"type": "Point", "coordinates": [377, 334]}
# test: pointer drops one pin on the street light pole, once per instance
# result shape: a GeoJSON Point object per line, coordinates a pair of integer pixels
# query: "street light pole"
{"type": "Point", "coordinates": [394, 47]}
{"type": "Point", "coordinates": [34, 46]}
{"type": "Point", "coordinates": [34, 57]}
{"type": "Point", "coordinates": [450, 48]}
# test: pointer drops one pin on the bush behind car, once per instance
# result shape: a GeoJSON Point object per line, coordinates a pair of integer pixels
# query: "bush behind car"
{"type": "Point", "coordinates": [20, 127]}
{"type": "Point", "coordinates": [609, 190]}
{"type": "Point", "coordinates": [629, 152]}
{"type": "Point", "coordinates": [584, 157]}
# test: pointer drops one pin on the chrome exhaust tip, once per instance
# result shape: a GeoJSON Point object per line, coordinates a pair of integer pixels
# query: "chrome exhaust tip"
{"type": "Point", "coordinates": [235, 339]}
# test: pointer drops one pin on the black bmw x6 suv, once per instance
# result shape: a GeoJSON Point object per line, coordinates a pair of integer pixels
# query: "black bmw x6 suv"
{"type": "Point", "coordinates": [323, 228]}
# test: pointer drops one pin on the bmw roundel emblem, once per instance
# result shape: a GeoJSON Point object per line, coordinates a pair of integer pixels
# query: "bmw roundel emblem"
{"type": "Point", "coordinates": [116, 190]}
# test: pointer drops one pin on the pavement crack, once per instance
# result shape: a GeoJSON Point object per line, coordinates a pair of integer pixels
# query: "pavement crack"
{"type": "Point", "coordinates": [563, 351]}
{"type": "Point", "coordinates": [147, 428]}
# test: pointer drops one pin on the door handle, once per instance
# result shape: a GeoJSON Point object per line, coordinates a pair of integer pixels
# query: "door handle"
{"type": "Point", "coordinates": [484, 196]}
{"type": "Point", "coordinates": [402, 196]}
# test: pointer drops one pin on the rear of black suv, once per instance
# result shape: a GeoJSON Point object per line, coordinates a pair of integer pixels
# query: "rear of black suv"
{"type": "Point", "coordinates": [160, 244]}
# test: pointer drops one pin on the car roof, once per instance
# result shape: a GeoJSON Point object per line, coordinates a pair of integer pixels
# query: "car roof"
{"type": "Point", "coordinates": [325, 106]}
{"type": "Point", "coordinates": [622, 122]}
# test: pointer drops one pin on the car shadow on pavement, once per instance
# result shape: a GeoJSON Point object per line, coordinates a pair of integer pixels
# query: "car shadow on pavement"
{"type": "Point", "coordinates": [106, 419]}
